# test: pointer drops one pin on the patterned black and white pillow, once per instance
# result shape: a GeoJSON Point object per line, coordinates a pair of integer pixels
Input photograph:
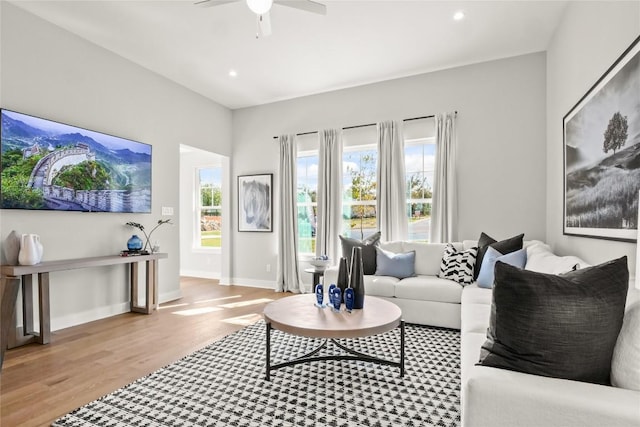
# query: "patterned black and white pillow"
{"type": "Point", "coordinates": [458, 265]}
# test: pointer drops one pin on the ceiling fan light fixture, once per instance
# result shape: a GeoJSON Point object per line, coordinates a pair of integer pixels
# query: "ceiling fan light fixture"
{"type": "Point", "coordinates": [259, 7]}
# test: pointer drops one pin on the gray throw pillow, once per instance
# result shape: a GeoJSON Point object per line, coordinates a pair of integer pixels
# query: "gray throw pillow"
{"type": "Point", "coordinates": [562, 326]}
{"type": "Point", "coordinates": [368, 246]}
{"type": "Point", "coordinates": [395, 265]}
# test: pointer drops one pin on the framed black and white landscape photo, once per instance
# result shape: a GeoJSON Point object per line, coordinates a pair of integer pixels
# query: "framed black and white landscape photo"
{"type": "Point", "coordinates": [602, 155]}
{"type": "Point", "coordinates": [255, 202]}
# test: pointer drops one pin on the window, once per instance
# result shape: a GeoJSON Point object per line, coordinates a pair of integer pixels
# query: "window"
{"type": "Point", "coordinates": [210, 207]}
{"type": "Point", "coordinates": [307, 170]}
{"type": "Point", "coordinates": [419, 157]}
{"type": "Point", "coordinates": [359, 218]}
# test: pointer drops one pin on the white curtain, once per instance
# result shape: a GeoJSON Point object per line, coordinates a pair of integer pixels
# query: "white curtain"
{"type": "Point", "coordinates": [329, 218]}
{"type": "Point", "coordinates": [288, 278]}
{"type": "Point", "coordinates": [444, 209]}
{"type": "Point", "coordinates": [391, 191]}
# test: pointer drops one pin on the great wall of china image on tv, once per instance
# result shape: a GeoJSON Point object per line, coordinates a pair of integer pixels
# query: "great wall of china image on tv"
{"type": "Point", "coordinates": [53, 166]}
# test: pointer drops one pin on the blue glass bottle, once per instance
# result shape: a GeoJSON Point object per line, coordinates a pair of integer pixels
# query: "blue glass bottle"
{"type": "Point", "coordinates": [349, 299]}
{"type": "Point", "coordinates": [134, 243]}
{"type": "Point", "coordinates": [337, 299]}
{"type": "Point", "coordinates": [319, 296]}
{"type": "Point", "coordinates": [330, 293]}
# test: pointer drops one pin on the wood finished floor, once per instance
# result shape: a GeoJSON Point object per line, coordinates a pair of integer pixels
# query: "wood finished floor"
{"type": "Point", "coordinates": [40, 383]}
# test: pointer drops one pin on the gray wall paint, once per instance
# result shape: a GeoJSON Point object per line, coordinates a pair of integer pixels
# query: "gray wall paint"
{"type": "Point", "coordinates": [589, 39]}
{"type": "Point", "coordinates": [501, 135]}
{"type": "Point", "coordinates": [51, 73]}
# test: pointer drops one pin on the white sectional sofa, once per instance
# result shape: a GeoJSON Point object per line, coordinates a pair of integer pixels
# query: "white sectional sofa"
{"type": "Point", "coordinates": [424, 299]}
{"type": "Point", "coordinates": [493, 397]}
{"type": "Point", "coordinates": [498, 397]}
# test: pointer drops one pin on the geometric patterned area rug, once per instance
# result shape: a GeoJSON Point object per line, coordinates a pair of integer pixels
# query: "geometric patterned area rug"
{"type": "Point", "coordinates": [224, 385]}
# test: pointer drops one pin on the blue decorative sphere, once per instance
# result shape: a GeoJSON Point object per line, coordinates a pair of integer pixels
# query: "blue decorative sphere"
{"type": "Point", "coordinates": [134, 243]}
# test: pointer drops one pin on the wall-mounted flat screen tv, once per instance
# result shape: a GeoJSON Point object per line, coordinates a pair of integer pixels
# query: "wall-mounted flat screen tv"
{"type": "Point", "coordinates": [47, 165]}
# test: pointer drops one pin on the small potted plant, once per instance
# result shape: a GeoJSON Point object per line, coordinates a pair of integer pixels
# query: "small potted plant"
{"type": "Point", "coordinates": [148, 235]}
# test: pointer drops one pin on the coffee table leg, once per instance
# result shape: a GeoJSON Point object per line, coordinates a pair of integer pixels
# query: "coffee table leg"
{"type": "Point", "coordinates": [268, 365]}
{"type": "Point", "coordinates": [402, 348]}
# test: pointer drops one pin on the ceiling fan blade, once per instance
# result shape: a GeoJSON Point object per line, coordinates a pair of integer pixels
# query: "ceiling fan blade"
{"type": "Point", "coordinates": [264, 25]}
{"type": "Point", "coordinates": [306, 5]}
{"type": "Point", "coordinates": [211, 3]}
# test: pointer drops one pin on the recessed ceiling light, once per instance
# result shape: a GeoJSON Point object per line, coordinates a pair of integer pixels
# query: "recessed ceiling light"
{"type": "Point", "coordinates": [233, 73]}
{"type": "Point", "coordinates": [458, 16]}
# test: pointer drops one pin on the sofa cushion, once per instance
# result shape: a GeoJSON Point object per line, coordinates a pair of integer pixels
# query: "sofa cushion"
{"type": "Point", "coordinates": [557, 326]}
{"type": "Point", "coordinates": [428, 256]}
{"type": "Point", "coordinates": [475, 318]}
{"type": "Point", "coordinates": [368, 251]}
{"type": "Point", "coordinates": [381, 286]}
{"type": "Point", "coordinates": [485, 278]}
{"type": "Point", "coordinates": [429, 288]}
{"type": "Point", "coordinates": [625, 365]}
{"type": "Point", "coordinates": [541, 259]}
{"type": "Point", "coordinates": [398, 265]}
{"type": "Point", "coordinates": [396, 246]}
{"type": "Point", "coordinates": [458, 265]}
{"type": "Point", "coordinates": [504, 247]}
{"type": "Point", "coordinates": [473, 294]}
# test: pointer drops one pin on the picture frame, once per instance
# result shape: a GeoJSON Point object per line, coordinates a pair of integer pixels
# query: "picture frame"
{"type": "Point", "coordinates": [601, 141]}
{"type": "Point", "coordinates": [255, 202]}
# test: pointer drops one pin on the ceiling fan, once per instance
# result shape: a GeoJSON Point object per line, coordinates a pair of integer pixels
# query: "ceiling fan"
{"type": "Point", "coordinates": [262, 7]}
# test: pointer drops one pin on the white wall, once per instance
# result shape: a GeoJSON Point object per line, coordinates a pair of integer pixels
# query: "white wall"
{"type": "Point", "coordinates": [51, 73]}
{"type": "Point", "coordinates": [501, 135]}
{"type": "Point", "coordinates": [589, 39]}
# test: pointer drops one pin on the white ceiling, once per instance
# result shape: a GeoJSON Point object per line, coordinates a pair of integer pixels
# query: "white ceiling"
{"type": "Point", "coordinates": [357, 42]}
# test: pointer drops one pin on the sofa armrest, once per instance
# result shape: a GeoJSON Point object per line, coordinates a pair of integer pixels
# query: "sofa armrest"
{"type": "Point", "coordinates": [497, 397]}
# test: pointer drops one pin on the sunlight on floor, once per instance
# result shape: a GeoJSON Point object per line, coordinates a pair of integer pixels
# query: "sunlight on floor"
{"type": "Point", "coordinates": [196, 311]}
{"type": "Point", "coordinates": [246, 303]}
{"type": "Point", "coordinates": [164, 307]}
{"type": "Point", "coordinates": [217, 299]}
{"type": "Point", "coordinates": [245, 320]}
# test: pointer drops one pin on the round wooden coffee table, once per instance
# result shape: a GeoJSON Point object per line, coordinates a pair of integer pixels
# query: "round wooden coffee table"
{"type": "Point", "coordinates": [298, 315]}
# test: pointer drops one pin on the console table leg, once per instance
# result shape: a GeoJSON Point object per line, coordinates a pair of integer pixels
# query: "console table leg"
{"type": "Point", "coordinates": [44, 309]}
{"type": "Point", "coordinates": [27, 305]}
{"type": "Point", "coordinates": [133, 281]}
{"type": "Point", "coordinates": [148, 288]}
{"type": "Point", "coordinates": [10, 287]}
{"type": "Point", "coordinates": [154, 284]}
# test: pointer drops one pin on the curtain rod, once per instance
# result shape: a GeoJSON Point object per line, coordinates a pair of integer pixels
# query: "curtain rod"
{"type": "Point", "coordinates": [367, 125]}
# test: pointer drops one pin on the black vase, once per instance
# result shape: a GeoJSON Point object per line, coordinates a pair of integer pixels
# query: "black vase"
{"type": "Point", "coordinates": [356, 278]}
{"type": "Point", "coordinates": [343, 275]}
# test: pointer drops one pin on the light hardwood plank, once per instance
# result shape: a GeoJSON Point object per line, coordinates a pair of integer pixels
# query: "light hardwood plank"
{"type": "Point", "coordinates": [40, 383]}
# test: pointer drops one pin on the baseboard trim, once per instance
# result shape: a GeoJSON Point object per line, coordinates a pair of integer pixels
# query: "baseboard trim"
{"type": "Point", "coordinates": [169, 296]}
{"type": "Point", "coordinates": [201, 274]}
{"type": "Point", "coordinates": [253, 283]}
{"type": "Point", "coordinates": [86, 316]}
{"type": "Point", "coordinates": [98, 313]}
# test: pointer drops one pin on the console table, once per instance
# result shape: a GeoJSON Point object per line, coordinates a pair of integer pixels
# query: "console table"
{"type": "Point", "coordinates": [10, 337]}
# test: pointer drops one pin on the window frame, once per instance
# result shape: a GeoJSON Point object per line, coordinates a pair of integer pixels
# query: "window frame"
{"type": "Point", "coordinates": [348, 204]}
{"type": "Point", "coordinates": [197, 240]}
{"type": "Point", "coordinates": [314, 205]}
{"type": "Point", "coordinates": [430, 140]}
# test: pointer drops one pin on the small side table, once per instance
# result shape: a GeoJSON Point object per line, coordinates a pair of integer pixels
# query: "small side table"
{"type": "Point", "coordinates": [317, 274]}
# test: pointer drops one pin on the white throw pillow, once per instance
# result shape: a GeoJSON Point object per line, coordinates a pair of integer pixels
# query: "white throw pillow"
{"type": "Point", "coordinates": [541, 259]}
{"type": "Point", "coordinates": [625, 364]}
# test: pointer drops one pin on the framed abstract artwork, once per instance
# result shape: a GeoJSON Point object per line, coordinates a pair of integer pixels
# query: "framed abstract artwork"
{"type": "Point", "coordinates": [255, 202]}
{"type": "Point", "coordinates": [602, 155]}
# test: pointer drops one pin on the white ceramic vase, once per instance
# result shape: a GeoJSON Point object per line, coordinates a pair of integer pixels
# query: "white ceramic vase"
{"type": "Point", "coordinates": [12, 248]}
{"type": "Point", "coordinates": [30, 250]}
